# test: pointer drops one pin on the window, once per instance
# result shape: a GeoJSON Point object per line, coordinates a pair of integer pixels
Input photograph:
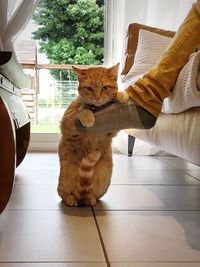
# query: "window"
{"type": "Point", "coordinates": [75, 36]}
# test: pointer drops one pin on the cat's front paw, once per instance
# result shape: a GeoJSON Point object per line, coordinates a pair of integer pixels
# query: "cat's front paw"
{"type": "Point", "coordinates": [122, 97]}
{"type": "Point", "coordinates": [86, 117]}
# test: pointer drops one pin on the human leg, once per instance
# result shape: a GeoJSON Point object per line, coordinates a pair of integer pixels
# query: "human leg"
{"type": "Point", "coordinates": [119, 116]}
{"type": "Point", "coordinates": [150, 91]}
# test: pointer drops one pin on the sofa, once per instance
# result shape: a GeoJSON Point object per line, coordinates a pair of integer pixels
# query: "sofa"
{"type": "Point", "coordinates": [177, 133]}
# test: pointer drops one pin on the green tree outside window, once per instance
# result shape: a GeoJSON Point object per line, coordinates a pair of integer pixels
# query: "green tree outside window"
{"type": "Point", "coordinates": [70, 32]}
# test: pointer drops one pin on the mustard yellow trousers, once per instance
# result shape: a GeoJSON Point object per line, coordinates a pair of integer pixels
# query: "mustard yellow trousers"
{"type": "Point", "coordinates": [150, 91]}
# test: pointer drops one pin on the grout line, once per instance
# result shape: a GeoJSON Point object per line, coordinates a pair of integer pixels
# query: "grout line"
{"type": "Point", "coordinates": [108, 210]}
{"type": "Point", "coordinates": [189, 174]}
{"type": "Point", "coordinates": [50, 262]}
{"type": "Point", "coordinates": [101, 239]}
{"type": "Point", "coordinates": [146, 210]}
{"type": "Point", "coordinates": [161, 185]}
{"type": "Point", "coordinates": [121, 184]}
{"type": "Point", "coordinates": [156, 261]}
{"type": "Point", "coordinates": [178, 169]}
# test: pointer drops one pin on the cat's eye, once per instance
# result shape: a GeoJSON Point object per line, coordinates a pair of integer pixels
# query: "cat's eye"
{"type": "Point", "coordinates": [105, 87]}
{"type": "Point", "coordinates": [89, 89]}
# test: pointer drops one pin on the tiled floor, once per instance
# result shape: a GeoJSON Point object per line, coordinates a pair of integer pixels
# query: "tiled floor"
{"type": "Point", "coordinates": [150, 217]}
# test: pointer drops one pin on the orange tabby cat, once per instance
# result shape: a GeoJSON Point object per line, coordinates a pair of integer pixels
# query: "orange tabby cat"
{"type": "Point", "coordinates": [86, 158]}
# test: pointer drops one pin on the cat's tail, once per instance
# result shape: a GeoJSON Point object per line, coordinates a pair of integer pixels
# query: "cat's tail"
{"type": "Point", "coordinates": [86, 171]}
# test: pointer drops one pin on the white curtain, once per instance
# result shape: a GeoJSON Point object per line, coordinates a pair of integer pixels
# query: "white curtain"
{"type": "Point", "coordinates": [156, 13]}
{"type": "Point", "coordinates": [14, 15]}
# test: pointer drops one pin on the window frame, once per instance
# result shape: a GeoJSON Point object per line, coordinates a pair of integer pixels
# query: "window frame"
{"type": "Point", "coordinates": [50, 141]}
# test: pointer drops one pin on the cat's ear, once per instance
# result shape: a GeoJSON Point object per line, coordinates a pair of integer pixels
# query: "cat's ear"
{"type": "Point", "coordinates": [80, 72]}
{"type": "Point", "coordinates": [113, 71]}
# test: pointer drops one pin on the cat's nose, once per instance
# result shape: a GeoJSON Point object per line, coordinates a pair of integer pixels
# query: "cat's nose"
{"type": "Point", "coordinates": [97, 97]}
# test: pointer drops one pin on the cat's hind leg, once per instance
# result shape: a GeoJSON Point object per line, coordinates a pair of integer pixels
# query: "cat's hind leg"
{"type": "Point", "coordinates": [90, 200]}
{"type": "Point", "coordinates": [67, 183]}
{"type": "Point", "coordinates": [71, 200]}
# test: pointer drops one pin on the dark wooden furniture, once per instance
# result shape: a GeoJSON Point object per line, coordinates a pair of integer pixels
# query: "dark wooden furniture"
{"type": "Point", "coordinates": [14, 123]}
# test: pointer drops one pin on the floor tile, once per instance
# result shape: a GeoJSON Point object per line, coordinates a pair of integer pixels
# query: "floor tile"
{"type": "Point", "coordinates": [179, 163]}
{"type": "Point", "coordinates": [57, 264]}
{"type": "Point", "coordinates": [150, 217]}
{"type": "Point", "coordinates": [36, 176]}
{"type": "Point", "coordinates": [123, 162]}
{"type": "Point", "coordinates": [138, 197]}
{"type": "Point", "coordinates": [41, 197]}
{"type": "Point", "coordinates": [150, 236]}
{"type": "Point", "coordinates": [155, 264]}
{"type": "Point", "coordinates": [35, 197]}
{"type": "Point", "coordinates": [49, 236]}
{"type": "Point", "coordinates": [40, 160]}
{"type": "Point", "coordinates": [148, 177]}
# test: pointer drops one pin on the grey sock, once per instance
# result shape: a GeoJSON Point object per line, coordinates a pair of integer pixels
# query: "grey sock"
{"type": "Point", "coordinates": [119, 116]}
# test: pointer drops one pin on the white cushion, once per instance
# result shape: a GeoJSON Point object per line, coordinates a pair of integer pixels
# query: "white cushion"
{"type": "Point", "coordinates": [149, 50]}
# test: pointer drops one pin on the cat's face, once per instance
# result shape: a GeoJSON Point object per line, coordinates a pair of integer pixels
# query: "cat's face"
{"type": "Point", "coordinates": [97, 86]}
